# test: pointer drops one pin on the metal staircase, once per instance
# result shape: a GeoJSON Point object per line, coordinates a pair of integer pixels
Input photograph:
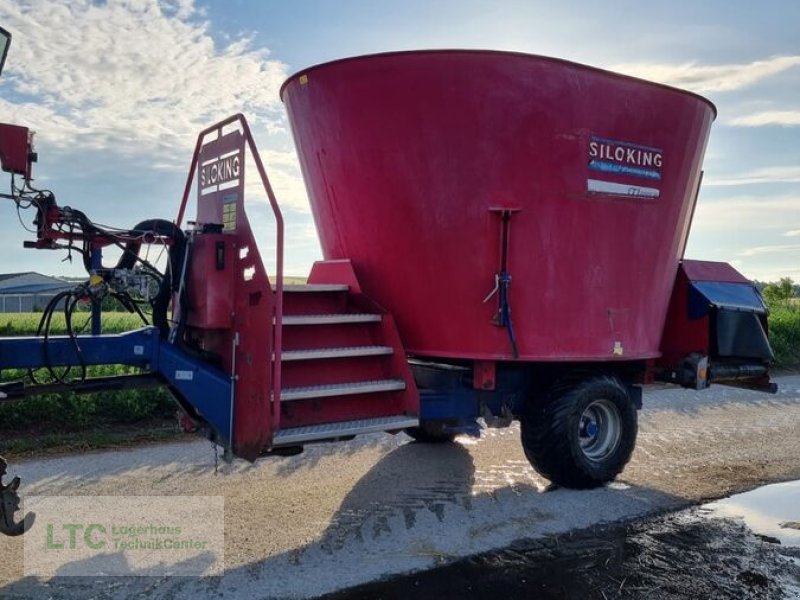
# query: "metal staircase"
{"type": "Point", "coordinates": [343, 368]}
{"type": "Point", "coordinates": [310, 362]}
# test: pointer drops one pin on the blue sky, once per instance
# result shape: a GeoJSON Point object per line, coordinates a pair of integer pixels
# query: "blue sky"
{"type": "Point", "coordinates": [117, 90]}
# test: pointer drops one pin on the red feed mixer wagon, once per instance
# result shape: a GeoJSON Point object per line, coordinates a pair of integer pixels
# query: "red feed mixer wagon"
{"type": "Point", "coordinates": [503, 238]}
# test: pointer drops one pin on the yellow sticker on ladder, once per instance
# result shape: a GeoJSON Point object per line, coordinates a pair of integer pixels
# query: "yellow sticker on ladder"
{"type": "Point", "coordinates": [229, 217]}
{"type": "Point", "coordinates": [229, 212]}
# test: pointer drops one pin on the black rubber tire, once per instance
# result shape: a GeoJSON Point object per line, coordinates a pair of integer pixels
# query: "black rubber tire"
{"type": "Point", "coordinates": [431, 433]}
{"type": "Point", "coordinates": [551, 433]}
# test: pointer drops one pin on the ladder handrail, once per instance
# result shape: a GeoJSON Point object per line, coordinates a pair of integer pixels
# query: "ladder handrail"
{"type": "Point", "coordinates": [277, 333]}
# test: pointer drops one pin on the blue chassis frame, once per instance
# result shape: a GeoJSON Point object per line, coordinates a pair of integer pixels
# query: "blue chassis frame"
{"type": "Point", "coordinates": [208, 390]}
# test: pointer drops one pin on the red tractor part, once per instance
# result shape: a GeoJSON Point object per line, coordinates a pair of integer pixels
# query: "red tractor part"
{"type": "Point", "coordinates": [16, 150]}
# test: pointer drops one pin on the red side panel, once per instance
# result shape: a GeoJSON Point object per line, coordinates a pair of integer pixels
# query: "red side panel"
{"type": "Point", "coordinates": [211, 280]}
{"type": "Point", "coordinates": [682, 335]}
{"type": "Point", "coordinates": [231, 304]}
{"type": "Point", "coordinates": [335, 271]}
{"type": "Point", "coordinates": [254, 309]}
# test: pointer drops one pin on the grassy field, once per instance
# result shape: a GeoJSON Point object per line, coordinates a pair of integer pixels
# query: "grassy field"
{"type": "Point", "coordinates": [784, 334]}
{"type": "Point", "coordinates": [70, 421]}
{"type": "Point", "coordinates": [26, 323]}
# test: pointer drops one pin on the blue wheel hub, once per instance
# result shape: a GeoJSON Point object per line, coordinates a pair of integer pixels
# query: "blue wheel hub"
{"type": "Point", "coordinates": [600, 430]}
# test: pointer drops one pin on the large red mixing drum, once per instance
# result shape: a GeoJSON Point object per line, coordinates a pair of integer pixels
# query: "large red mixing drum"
{"type": "Point", "coordinates": [436, 172]}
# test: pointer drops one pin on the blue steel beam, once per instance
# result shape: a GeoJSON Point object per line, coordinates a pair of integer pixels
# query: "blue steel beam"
{"type": "Point", "coordinates": [136, 348]}
{"type": "Point", "coordinates": [206, 389]}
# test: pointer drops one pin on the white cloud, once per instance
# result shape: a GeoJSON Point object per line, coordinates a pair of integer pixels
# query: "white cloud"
{"type": "Point", "coordinates": [283, 171]}
{"type": "Point", "coordinates": [181, 8]}
{"type": "Point", "coordinates": [777, 249]}
{"type": "Point", "coordinates": [747, 213]}
{"type": "Point", "coordinates": [793, 233]}
{"type": "Point", "coordinates": [132, 77]}
{"type": "Point", "coordinates": [710, 78]}
{"type": "Point", "coordinates": [786, 118]}
{"type": "Point", "coordinates": [777, 174]}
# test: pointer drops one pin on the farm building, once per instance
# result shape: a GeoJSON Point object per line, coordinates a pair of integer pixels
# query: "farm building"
{"type": "Point", "coordinates": [28, 292]}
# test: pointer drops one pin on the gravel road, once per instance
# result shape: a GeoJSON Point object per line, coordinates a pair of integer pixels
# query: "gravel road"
{"type": "Point", "coordinates": [342, 514]}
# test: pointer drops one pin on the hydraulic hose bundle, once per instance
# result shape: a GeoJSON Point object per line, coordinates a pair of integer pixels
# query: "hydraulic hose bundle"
{"type": "Point", "coordinates": [66, 228]}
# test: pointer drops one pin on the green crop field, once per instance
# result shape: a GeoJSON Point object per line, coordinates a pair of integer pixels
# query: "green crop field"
{"type": "Point", "coordinates": [61, 420]}
{"type": "Point", "coordinates": [27, 323]}
{"type": "Point", "coordinates": [784, 333]}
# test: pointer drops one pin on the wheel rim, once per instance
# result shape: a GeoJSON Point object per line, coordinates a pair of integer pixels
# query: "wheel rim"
{"type": "Point", "coordinates": [600, 430]}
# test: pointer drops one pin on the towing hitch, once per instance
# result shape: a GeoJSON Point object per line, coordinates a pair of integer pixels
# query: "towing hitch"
{"type": "Point", "coordinates": [9, 504]}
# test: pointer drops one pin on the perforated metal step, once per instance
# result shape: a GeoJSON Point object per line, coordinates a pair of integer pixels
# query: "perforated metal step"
{"type": "Point", "coordinates": [299, 435]}
{"type": "Point", "coordinates": [342, 389]}
{"type": "Point", "coordinates": [347, 352]}
{"type": "Point", "coordinates": [314, 287]}
{"type": "Point", "coordinates": [331, 319]}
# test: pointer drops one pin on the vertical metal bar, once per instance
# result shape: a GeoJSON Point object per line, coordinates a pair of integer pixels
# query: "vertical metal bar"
{"type": "Point", "coordinates": [177, 310]}
{"type": "Point", "coordinates": [503, 278]}
{"type": "Point", "coordinates": [97, 309]}
{"type": "Point", "coordinates": [188, 187]}
{"type": "Point", "coordinates": [233, 388]}
{"type": "Point", "coordinates": [278, 329]}
{"type": "Point", "coordinates": [505, 220]}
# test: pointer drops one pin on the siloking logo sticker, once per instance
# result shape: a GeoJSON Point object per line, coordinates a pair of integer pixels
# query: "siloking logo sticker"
{"type": "Point", "coordinates": [614, 161]}
{"type": "Point", "coordinates": [221, 172]}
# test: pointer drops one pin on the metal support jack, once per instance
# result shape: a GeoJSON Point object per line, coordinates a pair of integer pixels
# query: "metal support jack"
{"type": "Point", "coordinates": [9, 504]}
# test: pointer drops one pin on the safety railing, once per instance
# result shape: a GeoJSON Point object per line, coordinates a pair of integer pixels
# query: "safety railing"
{"type": "Point", "coordinates": [277, 338]}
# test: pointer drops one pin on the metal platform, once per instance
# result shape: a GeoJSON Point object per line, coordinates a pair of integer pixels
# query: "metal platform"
{"type": "Point", "coordinates": [331, 319]}
{"type": "Point", "coordinates": [342, 389]}
{"type": "Point", "coordinates": [347, 352]}
{"type": "Point", "coordinates": [314, 287]}
{"type": "Point", "coordinates": [299, 435]}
